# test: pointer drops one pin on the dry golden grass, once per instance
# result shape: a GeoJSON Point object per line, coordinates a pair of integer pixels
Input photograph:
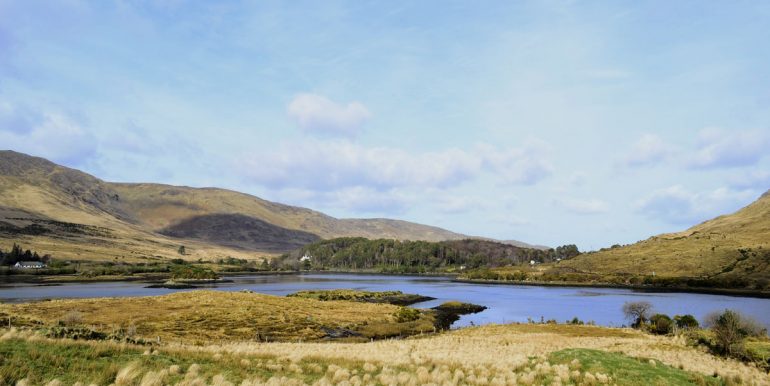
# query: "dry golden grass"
{"type": "Point", "coordinates": [705, 249]}
{"type": "Point", "coordinates": [487, 355]}
{"type": "Point", "coordinates": [215, 316]}
{"type": "Point", "coordinates": [509, 346]}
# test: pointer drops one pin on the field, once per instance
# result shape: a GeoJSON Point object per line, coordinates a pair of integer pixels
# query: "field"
{"type": "Point", "coordinates": [488, 355]}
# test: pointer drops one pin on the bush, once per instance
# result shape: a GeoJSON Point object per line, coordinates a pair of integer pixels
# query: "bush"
{"type": "Point", "coordinates": [661, 324]}
{"type": "Point", "coordinates": [406, 314]}
{"type": "Point", "coordinates": [686, 321]}
{"type": "Point", "coordinates": [730, 328]}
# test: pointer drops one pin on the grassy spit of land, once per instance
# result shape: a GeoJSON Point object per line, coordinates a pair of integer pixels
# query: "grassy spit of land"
{"type": "Point", "coordinates": [390, 297]}
{"type": "Point", "coordinates": [200, 317]}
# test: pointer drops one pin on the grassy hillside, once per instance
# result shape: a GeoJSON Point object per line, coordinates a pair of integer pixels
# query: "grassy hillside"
{"type": "Point", "coordinates": [733, 248]}
{"type": "Point", "coordinates": [73, 215]}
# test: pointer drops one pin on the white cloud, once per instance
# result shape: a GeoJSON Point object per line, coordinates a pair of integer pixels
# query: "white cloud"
{"type": "Point", "coordinates": [451, 204]}
{"type": "Point", "coordinates": [677, 205]}
{"type": "Point", "coordinates": [356, 199]}
{"type": "Point", "coordinates": [582, 206]}
{"type": "Point", "coordinates": [650, 149]}
{"type": "Point", "coordinates": [525, 165]}
{"type": "Point", "coordinates": [330, 165]}
{"type": "Point", "coordinates": [316, 114]}
{"type": "Point", "coordinates": [720, 148]}
{"type": "Point", "coordinates": [53, 136]}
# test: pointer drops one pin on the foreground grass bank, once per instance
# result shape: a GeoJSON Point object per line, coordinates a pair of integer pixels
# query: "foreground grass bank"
{"type": "Point", "coordinates": [489, 355]}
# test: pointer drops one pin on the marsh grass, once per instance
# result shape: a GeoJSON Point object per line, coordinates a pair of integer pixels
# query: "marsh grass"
{"type": "Point", "coordinates": [204, 317]}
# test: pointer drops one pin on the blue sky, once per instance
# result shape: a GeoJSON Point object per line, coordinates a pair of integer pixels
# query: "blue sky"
{"type": "Point", "coordinates": [550, 122]}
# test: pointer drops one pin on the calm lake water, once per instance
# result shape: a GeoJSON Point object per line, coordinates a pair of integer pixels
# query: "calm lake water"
{"type": "Point", "coordinates": [506, 303]}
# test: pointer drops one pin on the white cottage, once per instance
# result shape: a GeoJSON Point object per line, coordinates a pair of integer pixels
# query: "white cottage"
{"type": "Point", "coordinates": [29, 265]}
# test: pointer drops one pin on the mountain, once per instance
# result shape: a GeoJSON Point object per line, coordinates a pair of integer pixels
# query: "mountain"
{"type": "Point", "coordinates": [72, 214]}
{"type": "Point", "coordinates": [732, 249]}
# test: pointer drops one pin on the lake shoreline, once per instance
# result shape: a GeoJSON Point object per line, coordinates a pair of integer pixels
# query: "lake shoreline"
{"type": "Point", "coordinates": [695, 290]}
{"type": "Point", "coordinates": [154, 277]}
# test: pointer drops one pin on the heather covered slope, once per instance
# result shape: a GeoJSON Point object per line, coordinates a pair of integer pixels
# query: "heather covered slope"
{"type": "Point", "coordinates": [731, 248]}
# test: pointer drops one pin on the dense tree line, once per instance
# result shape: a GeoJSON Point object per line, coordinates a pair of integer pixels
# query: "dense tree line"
{"type": "Point", "coordinates": [17, 254]}
{"type": "Point", "coordinates": [418, 256]}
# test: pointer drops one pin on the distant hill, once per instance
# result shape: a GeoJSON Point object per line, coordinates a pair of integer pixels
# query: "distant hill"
{"type": "Point", "coordinates": [394, 256]}
{"type": "Point", "coordinates": [72, 214]}
{"type": "Point", "coordinates": [159, 206]}
{"type": "Point", "coordinates": [728, 251]}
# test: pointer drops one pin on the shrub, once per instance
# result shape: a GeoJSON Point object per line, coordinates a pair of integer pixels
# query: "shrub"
{"type": "Point", "coordinates": [661, 324]}
{"type": "Point", "coordinates": [686, 321]}
{"type": "Point", "coordinates": [406, 314]}
{"type": "Point", "coordinates": [730, 328]}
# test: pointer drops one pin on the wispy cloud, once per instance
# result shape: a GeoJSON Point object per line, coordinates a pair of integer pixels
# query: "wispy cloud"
{"type": "Point", "coordinates": [718, 148]}
{"type": "Point", "coordinates": [582, 206]}
{"type": "Point", "coordinates": [356, 199]}
{"type": "Point", "coordinates": [334, 164]}
{"type": "Point", "coordinates": [50, 134]}
{"type": "Point", "coordinates": [649, 150]}
{"type": "Point", "coordinates": [524, 165]}
{"type": "Point", "coordinates": [677, 205]}
{"type": "Point", "coordinates": [318, 115]}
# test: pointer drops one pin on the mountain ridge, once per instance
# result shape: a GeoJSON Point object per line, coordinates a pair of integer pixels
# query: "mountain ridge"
{"type": "Point", "coordinates": [151, 219]}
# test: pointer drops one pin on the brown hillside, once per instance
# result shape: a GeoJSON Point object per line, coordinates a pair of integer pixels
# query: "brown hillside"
{"type": "Point", "coordinates": [160, 206]}
{"type": "Point", "coordinates": [735, 246]}
{"type": "Point", "coordinates": [72, 214]}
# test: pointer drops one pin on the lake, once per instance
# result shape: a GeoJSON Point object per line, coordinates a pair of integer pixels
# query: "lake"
{"type": "Point", "coordinates": [506, 303]}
